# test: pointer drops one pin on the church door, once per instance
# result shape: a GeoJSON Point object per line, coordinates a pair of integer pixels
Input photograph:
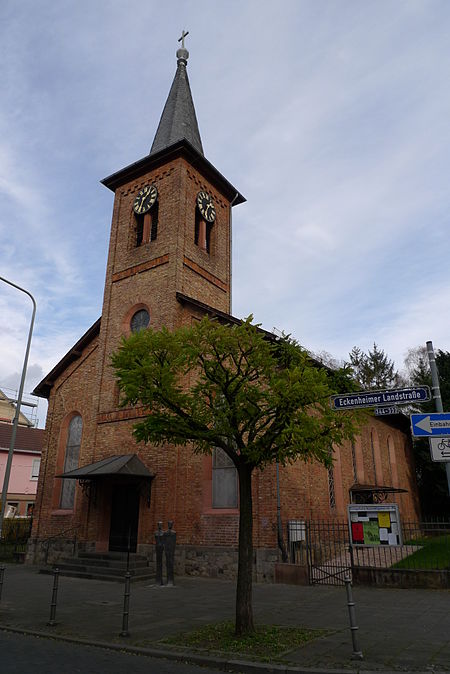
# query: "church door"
{"type": "Point", "coordinates": [124, 518]}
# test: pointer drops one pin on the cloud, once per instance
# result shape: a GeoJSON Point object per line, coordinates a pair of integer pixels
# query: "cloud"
{"type": "Point", "coordinates": [331, 118]}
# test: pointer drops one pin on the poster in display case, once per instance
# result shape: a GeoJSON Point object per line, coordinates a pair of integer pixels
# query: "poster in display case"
{"type": "Point", "coordinates": [374, 524]}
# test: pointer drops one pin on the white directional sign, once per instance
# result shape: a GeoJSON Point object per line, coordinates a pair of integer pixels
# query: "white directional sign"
{"type": "Point", "coordinates": [440, 449]}
{"type": "Point", "coordinates": [431, 425]}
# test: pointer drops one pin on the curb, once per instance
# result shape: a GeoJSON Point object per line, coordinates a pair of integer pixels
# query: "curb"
{"type": "Point", "coordinates": [238, 666]}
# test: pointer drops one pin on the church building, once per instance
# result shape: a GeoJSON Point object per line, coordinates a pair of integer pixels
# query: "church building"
{"type": "Point", "coordinates": [169, 263]}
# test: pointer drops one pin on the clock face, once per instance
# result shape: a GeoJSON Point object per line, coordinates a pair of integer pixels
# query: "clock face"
{"type": "Point", "coordinates": [145, 199]}
{"type": "Point", "coordinates": [206, 206]}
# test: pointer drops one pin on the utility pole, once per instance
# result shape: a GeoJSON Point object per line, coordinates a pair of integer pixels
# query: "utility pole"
{"type": "Point", "coordinates": [437, 395]}
{"type": "Point", "coordinates": [18, 405]}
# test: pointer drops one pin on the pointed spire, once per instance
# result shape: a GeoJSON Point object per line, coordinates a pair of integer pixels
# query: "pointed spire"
{"type": "Point", "coordinates": [178, 120]}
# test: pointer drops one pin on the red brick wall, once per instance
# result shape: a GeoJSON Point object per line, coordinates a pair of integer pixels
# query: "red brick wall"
{"type": "Point", "coordinates": [73, 393]}
{"type": "Point", "coordinates": [149, 276]}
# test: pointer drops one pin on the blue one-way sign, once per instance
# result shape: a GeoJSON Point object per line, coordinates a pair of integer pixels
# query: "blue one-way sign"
{"type": "Point", "coordinates": [430, 425]}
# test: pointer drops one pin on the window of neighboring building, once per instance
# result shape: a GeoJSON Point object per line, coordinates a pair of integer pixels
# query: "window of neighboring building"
{"type": "Point", "coordinates": [224, 481]}
{"type": "Point", "coordinates": [12, 509]}
{"type": "Point", "coordinates": [71, 461]}
{"type": "Point", "coordinates": [35, 469]}
{"type": "Point", "coordinates": [30, 508]}
{"type": "Point", "coordinates": [140, 320]}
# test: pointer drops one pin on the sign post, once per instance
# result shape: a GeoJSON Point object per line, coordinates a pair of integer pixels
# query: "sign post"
{"type": "Point", "coordinates": [436, 396]}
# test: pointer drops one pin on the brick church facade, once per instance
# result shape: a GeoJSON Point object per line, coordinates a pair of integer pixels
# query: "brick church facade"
{"type": "Point", "coordinates": [169, 263]}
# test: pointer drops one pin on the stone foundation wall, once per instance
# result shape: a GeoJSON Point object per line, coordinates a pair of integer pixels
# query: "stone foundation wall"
{"type": "Point", "coordinates": [207, 562]}
{"type": "Point", "coordinates": [44, 553]}
{"type": "Point", "coordinates": [216, 562]}
{"type": "Point", "coordinates": [403, 578]}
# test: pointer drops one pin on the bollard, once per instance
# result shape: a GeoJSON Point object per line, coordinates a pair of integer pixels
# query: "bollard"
{"type": "Point", "coordinates": [2, 573]}
{"type": "Point", "coordinates": [357, 653]}
{"type": "Point", "coordinates": [126, 606]}
{"type": "Point", "coordinates": [52, 622]}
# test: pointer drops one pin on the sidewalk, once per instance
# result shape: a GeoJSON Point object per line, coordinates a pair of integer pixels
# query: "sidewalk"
{"type": "Point", "coordinates": [399, 630]}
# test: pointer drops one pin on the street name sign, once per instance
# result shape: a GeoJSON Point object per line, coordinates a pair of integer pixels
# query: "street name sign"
{"type": "Point", "coordinates": [386, 409]}
{"type": "Point", "coordinates": [440, 449]}
{"type": "Point", "coordinates": [430, 425]}
{"type": "Point", "coordinates": [402, 396]}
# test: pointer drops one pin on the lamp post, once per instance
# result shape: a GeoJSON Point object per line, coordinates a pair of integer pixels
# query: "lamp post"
{"type": "Point", "coordinates": [18, 405]}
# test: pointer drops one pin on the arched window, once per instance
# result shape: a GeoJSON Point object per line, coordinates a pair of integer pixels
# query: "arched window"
{"type": "Point", "coordinates": [224, 481]}
{"type": "Point", "coordinates": [392, 461]}
{"type": "Point", "coordinates": [205, 216]}
{"type": "Point", "coordinates": [376, 457]}
{"type": "Point", "coordinates": [71, 457]}
{"type": "Point", "coordinates": [140, 320]}
{"type": "Point", "coordinates": [331, 488]}
{"type": "Point", "coordinates": [145, 207]}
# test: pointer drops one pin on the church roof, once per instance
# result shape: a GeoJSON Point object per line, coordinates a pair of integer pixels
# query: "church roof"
{"type": "Point", "coordinates": [42, 390]}
{"type": "Point", "coordinates": [178, 120]}
{"type": "Point", "coordinates": [180, 148]}
{"type": "Point", "coordinates": [177, 135]}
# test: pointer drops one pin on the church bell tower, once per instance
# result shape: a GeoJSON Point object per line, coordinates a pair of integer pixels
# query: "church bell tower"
{"type": "Point", "coordinates": [170, 232]}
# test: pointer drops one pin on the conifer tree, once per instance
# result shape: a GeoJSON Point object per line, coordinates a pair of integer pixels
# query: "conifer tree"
{"type": "Point", "coordinates": [373, 370]}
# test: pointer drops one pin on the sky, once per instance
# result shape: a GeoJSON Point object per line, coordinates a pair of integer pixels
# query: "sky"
{"type": "Point", "coordinates": [330, 116]}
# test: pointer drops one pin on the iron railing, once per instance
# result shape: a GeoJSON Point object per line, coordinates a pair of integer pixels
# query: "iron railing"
{"type": "Point", "coordinates": [65, 535]}
{"type": "Point", "coordinates": [325, 547]}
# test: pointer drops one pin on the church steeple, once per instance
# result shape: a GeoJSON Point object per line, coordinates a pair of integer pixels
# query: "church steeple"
{"type": "Point", "coordinates": [178, 120]}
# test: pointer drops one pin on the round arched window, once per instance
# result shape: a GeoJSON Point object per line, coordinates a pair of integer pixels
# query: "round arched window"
{"type": "Point", "coordinates": [140, 320]}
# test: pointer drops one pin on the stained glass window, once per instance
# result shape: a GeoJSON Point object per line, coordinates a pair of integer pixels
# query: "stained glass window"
{"type": "Point", "coordinates": [224, 481]}
{"type": "Point", "coordinates": [71, 462]}
{"type": "Point", "coordinates": [140, 320]}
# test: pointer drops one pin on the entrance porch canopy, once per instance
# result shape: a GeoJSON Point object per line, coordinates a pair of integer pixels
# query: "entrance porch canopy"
{"type": "Point", "coordinates": [372, 493]}
{"type": "Point", "coordinates": [126, 465]}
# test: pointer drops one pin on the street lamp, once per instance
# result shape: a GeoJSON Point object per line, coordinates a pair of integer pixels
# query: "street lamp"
{"type": "Point", "coordinates": [18, 405]}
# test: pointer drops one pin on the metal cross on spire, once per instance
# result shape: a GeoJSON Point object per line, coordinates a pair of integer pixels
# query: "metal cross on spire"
{"type": "Point", "coordinates": [181, 39]}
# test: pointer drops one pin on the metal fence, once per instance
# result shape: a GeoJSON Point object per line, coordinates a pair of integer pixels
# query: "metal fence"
{"type": "Point", "coordinates": [325, 547]}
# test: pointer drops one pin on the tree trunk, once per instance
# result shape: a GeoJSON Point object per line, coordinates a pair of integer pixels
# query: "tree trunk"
{"type": "Point", "coordinates": [244, 606]}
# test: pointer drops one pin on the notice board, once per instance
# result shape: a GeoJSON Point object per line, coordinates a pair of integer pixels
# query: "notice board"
{"type": "Point", "coordinates": [374, 524]}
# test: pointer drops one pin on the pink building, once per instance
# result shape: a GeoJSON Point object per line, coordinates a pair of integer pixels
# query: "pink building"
{"type": "Point", "coordinates": [25, 467]}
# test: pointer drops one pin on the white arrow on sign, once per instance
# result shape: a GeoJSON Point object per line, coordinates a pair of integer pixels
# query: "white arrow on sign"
{"type": "Point", "coordinates": [425, 425]}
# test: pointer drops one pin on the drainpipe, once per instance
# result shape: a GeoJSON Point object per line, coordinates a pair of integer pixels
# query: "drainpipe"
{"type": "Point", "coordinates": [230, 221]}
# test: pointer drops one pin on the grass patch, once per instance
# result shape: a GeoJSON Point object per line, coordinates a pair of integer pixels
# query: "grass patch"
{"type": "Point", "coordinates": [268, 642]}
{"type": "Point", "coordinates": [433, 554]}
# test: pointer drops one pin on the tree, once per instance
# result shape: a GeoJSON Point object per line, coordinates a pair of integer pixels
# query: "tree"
{"type": "Point", "coordinates": [373, 370]}
{"type": "Point", "coordinates": [258, 398]}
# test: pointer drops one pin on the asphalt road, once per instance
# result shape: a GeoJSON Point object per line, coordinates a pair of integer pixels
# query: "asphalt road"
{"type": "Point", "coordinates": [22, 654]}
